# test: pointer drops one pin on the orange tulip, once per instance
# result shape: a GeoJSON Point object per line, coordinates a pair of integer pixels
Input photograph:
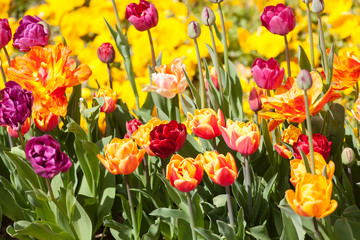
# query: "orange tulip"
{"type": "Point", "coordinates": [222, 170]}
{"type": "Point", "coordinates": [312, 197]}
{"type": "Point", "coordinates": [184, 173]}
{"type": "Point", "coordinates": [346, 72]}
{"type": "Point", "coordinates": [241, 137]}
{"type": "Point", "coordinates": [122, 156]}
{"type": "Point", "coordinates": [290, 135]}
{"type": "Point", "coordinates": [298, 170]}
{"type": "Point", "coordinates": [142, 134]}
{"type": "Point", "coordinates": [25, 128]}
{"type": "Point", "coordinates": [110, 98]}
{"type": "Point", "coordinates": [289, 102]}
{"type": "Point", "coordinates": [206, 123]}
{"type": "Point", "coordinates": [45, 121]}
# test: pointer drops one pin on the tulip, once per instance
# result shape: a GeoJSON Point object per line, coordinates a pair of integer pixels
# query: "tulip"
{"type": "Point", "coordinates": [106, 53]}
{"type": "Point", "coordinates": [166, 139]}
{"type": "Point", "coordinates": [304, 80]}
{"type": "Point", "coordinates": [290, 136]}
{"type": "Point", "coordinates": [241, 137]}
{"type": "Point", "coordinates": [31, 32]}
{"type": "Point", "coordinates": [317, 6]}
{"type": "Point", "coordinates": [45, 121]}
{"type": "Point", "coordinates": [312, 197]}
{"type": "Point", "coordinates": [208, 17]}
{"type": "Point", "coordinates": [142, 134]}
{"type": "Point", "coordinates": [46, 157]}
{"type": "Point", "coordinates": [122, 156]}
{"type": "Point", "coordinates": [348, 156]}
{"type": "Point", "coordinates": [214, 78]}
{"type": "Point", "coordinates": [15, 105]}
{"type": "Point", "coordinates": [206, 123]}
{"type": "Point", "coordinates": [110, 98]}
{"type": "Point", "coordinates": [255, 100]}
{"type": "Point", "coordinates": [321, 145]}
{"type": "Point", "coordinates": [222, 170]}
{"type": "Point", "coordinates": [298, 170]}
{"type": "Point", "coordinates": [5, 32]}
{"type": "Point", "coordinates": [25, 128]}
{"type": "Point", "coordinates": [194, 30]}
{"type": "Point", "coordinates": [143, 16]}
{"type": "Point", "coordinates": [278, 19]}
{"type": "Point", "coordinates": [267, 74]}
{"type": "Point", "coordinates": [184, 173]}
{"type": "Point", "coordinates": [132, 126]}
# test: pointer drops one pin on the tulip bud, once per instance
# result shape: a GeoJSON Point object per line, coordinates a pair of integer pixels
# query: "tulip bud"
{"type": "Point", "coordinates": [208, 17]}
{"type": "Point", "coordinates": [194, 30]}
{"type": "Point", "coordinates": [106, 53]}
{"type": "Point", "coordinates": [255, 100]}
{"type": "Point", "coordinates": [5, 31]}
{"type": "Point", "coordinates": [304, 80]}
{"type": "Point", "coordinates": [348, 156]}
{"type": "Point", "coordinates": [317, 6]}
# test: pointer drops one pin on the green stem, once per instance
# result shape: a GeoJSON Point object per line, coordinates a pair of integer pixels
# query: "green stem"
{"type": "Point", "coordinates": [110, 77]}
{"type": "Point", "coordinates": [248, 185]}
{"type": "Point", "coordinates": [310, 35]}
{"type": "Point", "coordinates": [257, 119]}
{"type": "Point", "coordinates": [323, 50]}
{"type": "Point", "coordinates": [192, 219]}
{"type": "Point", "coordinates": [287, 56]}
{"type": "Point", "coordinates": [22, 140]}
{"type": "Point", "coordinates": [226, 59]}
{"type": "Point", "coordinates": [2, 72]}
{"type": "Point", "coordinates": [231, 215]}
{"type": "Point", "coordinates": [62, 211]}
{"type": "Point", "coordinates": [116, 14]}
{"type": "Point", "coordinates": [349, 173]}
{"type": "Point", "coordinates": [309, 128]}
{"type": "Point", "coordinates": [7, 56]}
{"type": "Point", "coordinates": [214, 143]}
{"type": "Point", "coordinates": [146, 172]}
{"type": "Point", "coordinates": [317, 233]}
{"type": "Point", "coordinates": [133, 220]}
{"type": "Point", "coordinates": [103, 233]}
{"type": "Point", "coordinates": [216, 62]}
{"type": "Point", "coordinates": [201, 77]}
{"type": "Point", "coordinates": [152, 50]}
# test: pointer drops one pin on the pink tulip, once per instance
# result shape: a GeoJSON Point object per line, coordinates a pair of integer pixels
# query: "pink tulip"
{"type": "Point", "coordinates": [278, 19]}
{"type": "Point", "coordinates": [143, 16]}
{"type": "Point", "coordinates": [267, 74]}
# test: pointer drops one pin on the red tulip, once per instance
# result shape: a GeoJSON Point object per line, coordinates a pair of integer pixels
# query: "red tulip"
{"type": "Point", "coordinates": [106, 53]}
{"type": "Point", "coordinates": [321, 145]}
{"type": "Point", "coordinates": [143, 16]}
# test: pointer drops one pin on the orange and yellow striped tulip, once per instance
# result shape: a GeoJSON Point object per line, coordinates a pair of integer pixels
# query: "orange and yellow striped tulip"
{"type": "Point", "coordinates": [110, 98]}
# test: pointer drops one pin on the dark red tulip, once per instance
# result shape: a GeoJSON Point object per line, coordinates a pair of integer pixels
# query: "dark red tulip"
{"type": "Point", "coordinates": [321, 145]}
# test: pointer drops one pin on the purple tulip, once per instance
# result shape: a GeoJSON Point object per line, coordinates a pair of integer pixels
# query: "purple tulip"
{"type": "Point", "coordinates": [5, 32]}
{"type": "Point", "coordinates": [278, 19]}
{"type": "Point", "coordinates": [106, 53]}
{"type": "Point", "coordinates": [15, 105]}
{"type": "Point", "coordinates": [267, 74]}
{"type": "Point", "coordinates": [45, 156]}
{"type": "Point", "coordinates": [143, 16]}
{"type": "Point", "coordinates": [31, 32]}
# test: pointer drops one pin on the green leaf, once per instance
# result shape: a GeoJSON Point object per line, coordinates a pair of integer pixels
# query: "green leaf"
{"type": "Point", "coordinates": [153, 232]}
{"type": "Point", "coordinates": [226, 230]}
{"type": "Point", "coordinates": [76, 129]}
{"type": "Point", "coordinates": [170, 213]}
{"type": "Point", "coordinates": [218, 33]}
{"type": "Point", "coordinates": [290, 231]}
{"type": "Point", "coordinates": [241, 224]}
{"type": "Point", "coordinates": [304, 62]}
{"type": "Point", "coordinates": [269, 185]}
{"type": "Point", "coordinates": [259, 232]}
{"type": "Point", "coordinates": [305, 160]}
{"type": "Point", "coordinates": [268, 143]}
{"type": "Point", "coordinates": [191, 147]}
{"type": "Point", "coordinates": [81, 222]}
{"type": "Point", "coordinates": [91, 152]}
{"type": "Point", "coordinates": [194, 91]}
{"type": "Point", "coordinates": [236, 93]}
{"type": "Point", "coordinates": [331, 60]}
{"type": "Point", "coordinates": [208, 235]}
{"type": "Point", "coordinates": [121, 231]}
{"type": "Point", "coordinates": [187, 104]}
{"type": "Point", "coordinates": [183, 229]}
{"type": "Point", "coordinates": [73, 109]}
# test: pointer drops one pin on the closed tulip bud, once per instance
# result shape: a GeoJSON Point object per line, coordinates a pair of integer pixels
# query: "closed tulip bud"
{"type": "Point", "coordinates": [106, 53]}
{"type": "Point", "coordinates": [208, 17]}
{"type": "Point", "coordinates": [110, 98]}
{"type": "Point", "coordinates": [317, 6]}
{"type": "Point", "coordinates": [348, 156]}
{"type": "Point", "coordinates": [5, 32]}
{"type": "Point", "coordinates": [194, 30]}
{"type": "Point", "coordinates": [185, 173]}
{"type": "Point", "coordinates": [255, 100]}
{"type": "Point", "coordinates": [304, 80]}
{"type": "Point", "coordinates": [222, 170]}
{"type": "Point", "coordinates": [45, 121]}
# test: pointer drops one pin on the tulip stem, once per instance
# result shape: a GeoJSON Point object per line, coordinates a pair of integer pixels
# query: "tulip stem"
{"type": "Point", "coordinates": [2, 72]}
{"type": "Point", "coordinates": [191, 213]}
{"type": "Point", "coordinates": [310, 35]}
{"type": "Point", "coordinates": [7, 56]}
{"type": "Point", "coordinates": [116, 14]}
{"type": "Point", "coordinates": [287, 56]}
{"type": "Point", "coordinates": [110, 77]}
{"type": "Point", "coordinates": [133, 220]}
{"type": "Point", "coordinates": [248, 185]}
{"type": "Point", "coordinates": [230, 210]}
{"type": "Point", "coordinates": [152, 50]}
{"type": "Point", "coordinates": [21, 138]}
{"type": "Point", "coordinates": [62, 211]}
{"type": "Point", "coordinates": [216, 62]}
{"type": "Point", "coordinates": [349, 173]}
{"type": "Point", "coordinates": [317, 233]}
{"type": "Point", "coordinates": [201, 77]}
{"type": "Point", "coordinates": [146, 171]}
{"type": "Point", "coordinates": [224, 41]}
{"type": "Point", "coordinates": [323, 50]}
{"type": "Point", "coordinates": [257, 118]}
{"type": "Point", "coordinates": [309, 128]}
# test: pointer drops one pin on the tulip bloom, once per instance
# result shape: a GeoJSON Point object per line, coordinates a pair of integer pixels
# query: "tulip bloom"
{"type": "Point", "coordinates": [184, 173]}
{"type": "Point", "coordinates": [241, 137]}
{"type": "Point", "coordinates": [222, 170]}
{"type": "Point", "coordinates": [278, 19]}
{"type": "Point", "coordinates": [312, 197]}
{"type": "Point", "coordinates": [267, 74]}
{"type": "Point", "coordinates": [214, 78]}
{"type": "Point", "coordinates": [24, 129]}
{"type": "Point", "coordinates": [356, 110]}
{"type": "Point", "coordinates": [206, 123]}
{"type": "Point", "coordinates": [110, 98]}
{"type": "Point", "coordinates": [298, 170]}
{"type": "Point", "coordinates": [143, 16]}
{"type": "Point", "coordinates": [5, 32]}
{"type": "Point", "coordinates": [321, 145]}
{"type": "Point", "coordinates": [166, 139]}
{"type": "Point", "coordinates": [106, 53]}
{"type": "Point", "coordinates": [142, 134]}
{"type": "Point", "coordinates": [45, 121]}
{"type": "Point", "coordinates": [46, 157]}
{"type": "Point", "coordinates": [132, 126]}
{"type": "Point", "coordinates": [169, 80]}
{"type": "Point", "coordinates": [290, 136]}
{"type": "Point", "coordinates": [255, 100]}
{"type": "Point", "coordinates": [122, 156]}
